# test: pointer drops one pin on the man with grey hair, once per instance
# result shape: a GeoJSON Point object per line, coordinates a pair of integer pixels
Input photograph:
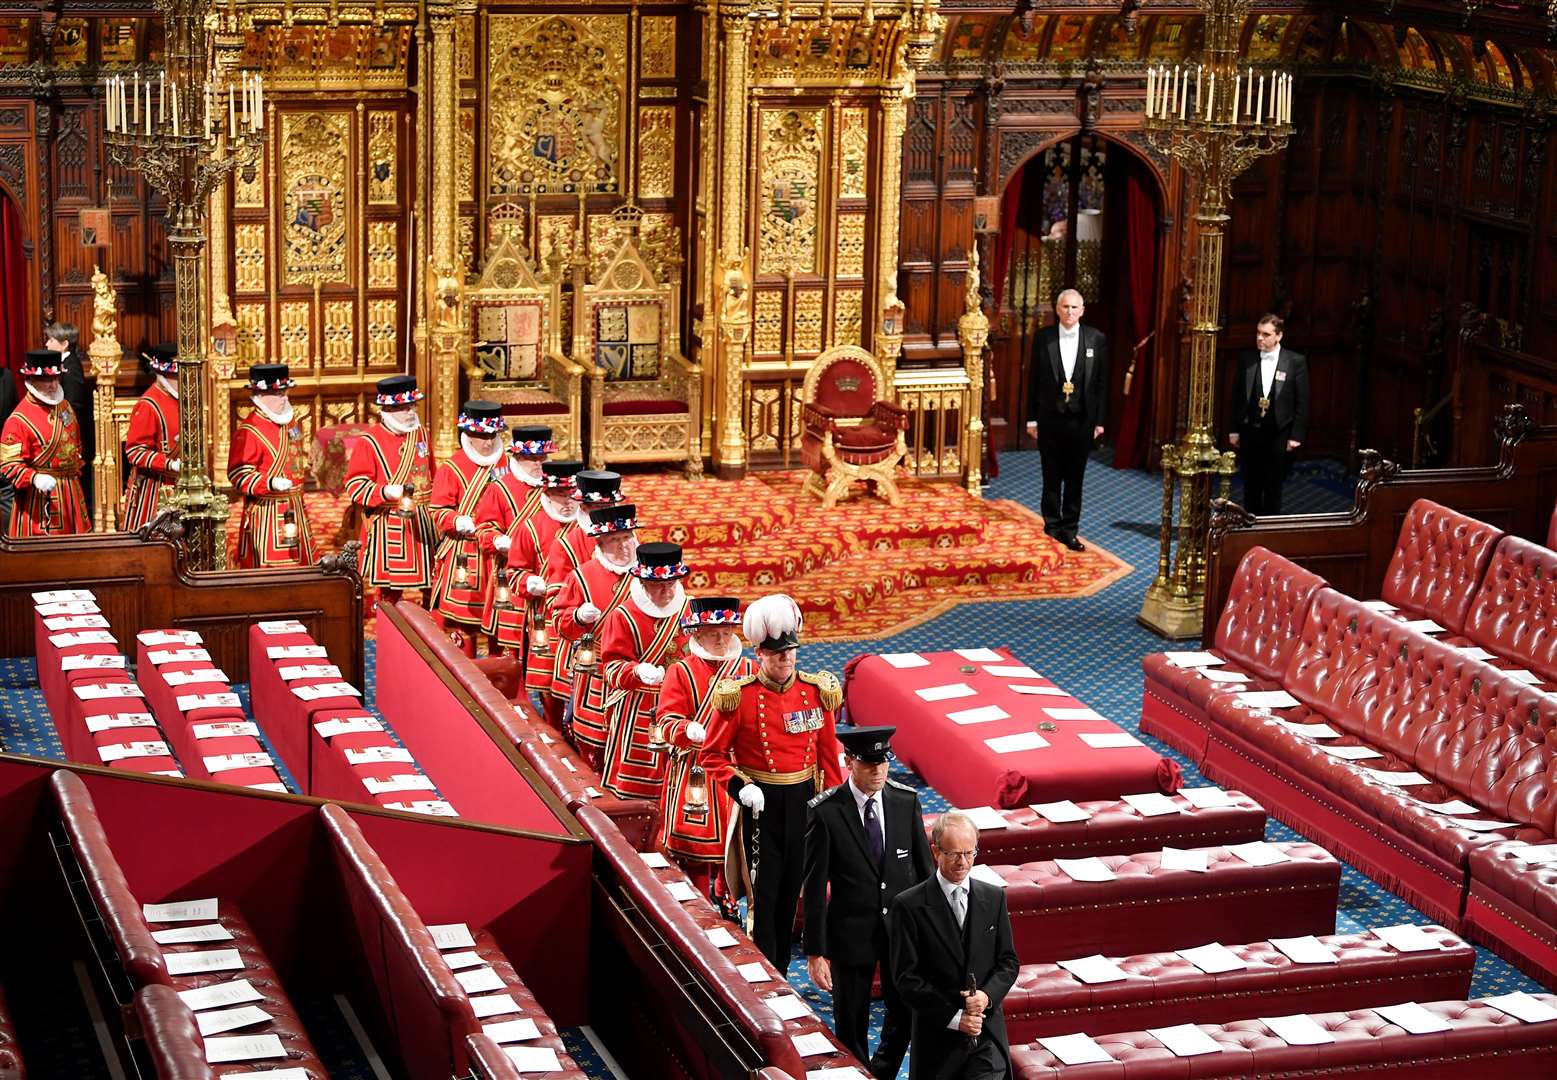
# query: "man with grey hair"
{"type": "Point", "coordinates": [1067, 401]}
{"type": "Point", "coordinates": [953, 961]}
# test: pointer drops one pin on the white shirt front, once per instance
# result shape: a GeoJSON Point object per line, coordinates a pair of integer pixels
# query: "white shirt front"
{"type": "Point", "coordinates": [948, 889]}
{"type": "Point", "coordinates": [860, 799]}
{"type": "Point", "coordinates": [1070, 342]}
{"type": "Point", "coordinates": [1268, 371]}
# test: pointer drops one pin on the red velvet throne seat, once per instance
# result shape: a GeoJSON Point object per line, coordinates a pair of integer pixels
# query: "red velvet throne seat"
{"type": "Point", "coordinates": [850, 432]}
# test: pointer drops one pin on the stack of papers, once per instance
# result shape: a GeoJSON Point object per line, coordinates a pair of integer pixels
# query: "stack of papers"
{"type": "Point", "coordinates": [62, 596]}
{"type": "Point", "coordinates": [1422, 626]}
{"type": "Point", "coordinates": [121, 751]}
{"type": "Point", "coordinates": [1194, 859]}
{"type": "Point", "coordinates": [149, 638]}
{"type": "Point", "coordinates": [754, 972]}
{"type": "Point", "coordinates": [220, 1020]}
{"type": "Point", "coordinates": [244, 1048]}
{"type": "Point", "coordinates": [1013, 671]}
{"type": "Point", "coordinates": [435, 807]}
{"type": "Point", "coordinates": [1536, 854]}
{"type": "Point", "coordinates": [273, 627]}
{"type": "Point", "coordinates": [225, 730]}
{"type": "Point", "coordinates": [190, 702]}
{"type": "Point", "coordinates": [1268, 699]}
{"type": "Point", "coordinates": [180, 911]}
{"type": "Point", "coordinates": [1259, 853]}
{"type": "Point", "coordinates": [1529, 678]}
{"type": "Point", "coordinates": [1090, 869]}
{"type": "Point", "coordinates": [1061, 812]}
{"type": "Point", "coordinates": [189, 935]}
{"type": "Point", "coordinates": [1398, 779]}
{"type": "Point", "coordinates": [944, 693]}
{"type": "Point", "coordinates": [986, 817]}
{"type": "Point", "coordinates": [1306, 950]}
{"type": "Point", "coordinates": [1185, 1040]}
{"type": "Point", "coordinates": [220, 995]}
{"type": "Point", "coordinates": [325, 690]}
{"type": "Point", "coordinates": [82, 637]}
{"type": "Point", "coordinates": [158, 657]}
{"type": "Point", "coordinates": [452, 936]}
{"type": "Point", "coordinates": [1453, 806]}
{"type": "Point", "coordinates": [185, 678]}
{"type": "Point", "coordinates": [812, 1043]}
{"type": "Point", "coordinates": [655, 860]}
{"type": "Point", "coordinates": [198, 960]}
{"type": "Point", "coordinates": [403, 782]}
{"type": "Point", "coordinates": [1475, 825]}
{"type": "Point", "coordinates": [86, 663]}
{"type": "Point", "coordinates": [1352, 753]}
{"type": "Point", "coordinates": [1214, 959]}
{"type": "Point", "coordinates": [1411, 1016]}
{"type": "Point", "coordinates": [528, 1059]}
{"type": "Point", "coordinates": [295, 652]}
{"type": "Point", "coordinates": [720, 938]}
{"type": "Point", "coordinates": [1476, 652]}
{"type": "Point", "coordinates": [1042, 691]}
{"type": "Point", "coordinates": [379, 755]}
{"type": "Point", "coordinates": [681, 891]}
{"type": "Point", "coordinates": [309, 671]}
{"type": "Point", "coordinates": [507, 1031]}
{"type": "Point", "coordinates": [1078, 1049]}
{"type": "Point", "coordinates": [1218, 675]}
{"type": "Point", "coordinates": [1152, 804]}
{"type": "Point", "coordinates": [1206, 798]}
{"type": "Point", "coordinates": [1096, 969]}
{"type": "Point", "coordinates": [905, 660]}
{"type": "Point", "coordinates": [1379, 605]}
{"type": "Point", "coordinates": [113, 721]}
{"type": "Point", "coordinates": [1521, 1006]}
{"type": "Point", "coordinates": [103, 691]}
{"type": "Point", "coordinates": [485, 1005]}
{"type": "Point", "coordinates": [1309, 731]}
{"type": "Point", "coordinates": [1074, 714]}
{"type": "Point", "coordinates": [986, 874]}
{"type": "Point", "coordinates": [75, 622]}
{"type": "Point", "coordinates": [1299, 1030]}
{"type": "Point", "coordinates": [347, 725]}
{"type": "Point", "coordinates": [220, 763]}
{"type": "Point", "coordinates": [787, 1006]}
{"type": "Point", "coordinates": [481, 980]}
{"type": "Point", "coordinates": [1407, 938]}
{"type": "Point", "coordinates": [68, 607]}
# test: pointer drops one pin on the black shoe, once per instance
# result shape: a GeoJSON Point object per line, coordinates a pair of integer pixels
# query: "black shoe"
{"type": "Point", "coordinates": [1074, 544]}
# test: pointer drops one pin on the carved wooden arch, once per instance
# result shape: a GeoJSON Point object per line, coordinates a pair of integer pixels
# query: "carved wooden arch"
{"type": "Point", "coordinates": [1117, 138]}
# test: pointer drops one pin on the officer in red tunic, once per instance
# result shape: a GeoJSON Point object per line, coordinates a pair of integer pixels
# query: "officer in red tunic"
{"type": "Point", "coordinates": [265, 466]}
{"type": "Point", "coordinates": [527, 569]}
{"type": "Point", "coordinates": [773, 745]}
{"type": "Point", "coordinates": [572, 548]}
{"type": "Point", "coordinates": [151, 444]}
{"type": "Point", "coordinates": [389, 476]}
{"type": "Point", "coordinates": [694, 811]}
{"type": "Point", "coordinates": [40, 454]}
{"type": "Point", "coordinates": [504, 509]}
{"type": "Point", "coordinates": [588, 597]}
{"type": "Point", "coordinates": [641, 639]}
{"type": "Point", "coordinates": [461, 569]}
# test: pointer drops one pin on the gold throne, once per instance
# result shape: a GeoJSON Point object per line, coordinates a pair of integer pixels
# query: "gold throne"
{"type": "Point", "coordinates": [517, 358]}
{"type": "Point", "coordinates": [849, 431]}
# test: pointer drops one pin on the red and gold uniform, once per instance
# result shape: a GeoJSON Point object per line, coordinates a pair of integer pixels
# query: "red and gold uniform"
{"type": "Point", "coordinates": [504, 509]}
{"type": "Point", "coordinates": [461, 568]}
{"type": "Point", "coordinates": [527, 558]}
{"type": "Point", "coordinates": [263, 451]}
{"type": "Point", "coordinates": [39, 440]}
{"type": "Point", "coordinates": [151, 443]}
{"type": "Point", "coordinates": [640, 640]}
{"type": "Point", "coordinates": [397, 544]}
{"type": "Point", "coordinates": [574, 547]}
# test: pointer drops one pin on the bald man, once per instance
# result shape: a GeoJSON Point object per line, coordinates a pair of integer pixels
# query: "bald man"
{"type": "Point", "coordinates": [1067, 401]}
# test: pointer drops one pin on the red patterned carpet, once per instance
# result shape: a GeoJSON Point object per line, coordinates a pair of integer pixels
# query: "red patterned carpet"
{"type": "Point", "coordinates": [861, 570]}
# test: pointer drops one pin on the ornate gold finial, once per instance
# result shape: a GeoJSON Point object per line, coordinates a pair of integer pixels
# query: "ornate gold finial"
{"type": "Point", "coordinates": [970, 292]}
{"type": "Point", "coordinates": [105, 314]}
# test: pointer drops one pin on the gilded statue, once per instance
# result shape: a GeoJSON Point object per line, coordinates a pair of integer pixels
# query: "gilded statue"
{"type": "Point", "coordinates": [447, 299]}
{"type": "Point", "coordinates": [970, 292]}
{"type": "Point", "coordinates": [735, 304]}
{"type": "Point", "coordinates": [105, 315]}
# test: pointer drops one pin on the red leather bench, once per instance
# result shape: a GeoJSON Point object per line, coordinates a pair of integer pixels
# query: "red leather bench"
{"type": "Point", "coordinates": [1146, 908]}
{"type": "Point", "coordinates": [1256, 633]}
{"type": "Point", "coordinates": [1512, 909]}
{"type": "Point", "coordinates": [11, 1067]}
{"type": "Point", "coordinates": [487, 1060]}
{"type": "Point", "coordinates": [1164, 989]}
{"type": "Point", "coordinates": [429, 1012]}
{"type": "Point", "coordinates": [75, 627]}
{"type": "Point", "coordinates": [1482, 1042]}
{"type": "Point", "coordinates": [1440, 557]}
{"type": "Point", "coordinates": [141, 957]}
{"type": "Point", "coordinates": [288, 719]}
{"type": "Point", "coordinates": [1514, 613]}
{"type": "Point", "coordinates": [1116, 828]}
{"type": "Point", "coordinates": [178, 1050]}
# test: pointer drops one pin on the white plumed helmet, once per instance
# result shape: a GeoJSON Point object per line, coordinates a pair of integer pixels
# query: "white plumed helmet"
{"type": "Point", "coordinates": [773, 622]}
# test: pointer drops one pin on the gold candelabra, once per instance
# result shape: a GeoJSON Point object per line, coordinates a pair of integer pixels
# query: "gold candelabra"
{"type": "Point", "coordinates": [185, 131]}
{"type": "Point", "coordinates": [1216, 116]}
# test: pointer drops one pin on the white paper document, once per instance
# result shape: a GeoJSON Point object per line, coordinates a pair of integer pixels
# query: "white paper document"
{"type": "Point", "coordinates": [1536, 854]}
{"type": "Point", "coordinates": [144, 748]}
{"type": "Point", "coordinates": [272, 627]}
{"type": "Point", "coordinates": [987, 875]}
{"type": "Point", "coordinates": [1411, 1016]}
{"type": "Point", "coordinates": [1061, 812]}
{"type": "Point", "coordinates": [1422, 626]}
{"type": "Point", "coordinates": [1522, 1006]}
{"type": "Point", "coordinates": [68, 607]}
{"type": "Point", "coordinates": [459, 961]}
{"type": "Point", "coordinates": [1214, 959]}
{"type": "Point", "coordinates": [1529, 678]}
{"type": "Point", "coordinates": [227, 729]}
{"type": "Point", "coordinates": [980, 656]}
{"type": "Point", "coordinates": [454, 935]}
{"type": "Point", "coordinates": [1089, 869]}
{"type": "Point", "coordinates": [1476, 652]}
{"type": "Point", "coordinates": [1037, 691]}
{"type": "Point", "coordinates": [787, 1006]}
{"type": "Point", "coordinates": [379, 755]}
{"type": "Point", "coordinates": [720, 938]}
{"type": "Point", "coordinates": [1012, 744]}
{"type": "Point", "coordinates": [1185, 1040]}
{"type": "Point", "coordinates": [1206, 798]}
{"type": "Point", "coordinates": [198, 960]}
{"type": "Point", "coordinates": [1309, 731]}
{"type": "Point", "coordinates": [103, 691]}
{"type": "Point", "coordinates": [1452, 807]}
{"type": "Point", "coordinates": [180, 911]}
{"type": "Point", "coordinates": [114, 721]}
{"type": "Point", "coordinates": [1298, 1030]}
{"type": "Point", "coordinates": [1306, 950]}
{"type": "Point", "coordinates": [62, 596]}
{"type": "Point", "coordinates": [214, 1023]}
{"type": "Point", "coordinates": [190, 702]}
{"type": "Point", "coordinates": [533, 1058]}
{"type": "Point", "coordinates": [280, 789]}
{"type": "Point", "coordinates": [403, 782]}
{"type": "Point", "coordinates": [481, 980]}
{"type": "Point", "coordinates": [1074, 714]}
{"type": "Point", "coordinates": [201, 675]}
{"type": "Point", "coordinates": [986, 817]}
{"type": "Point", "coordinates": [681, 891]}
{"type": "Point", "coordinates": [655, 860]}
{"type": "Point", "coordinates": [1407, 938]}
{"type": "Point", "coordinates": [93, 662]}
{"type": "Point", "coordinates": [82, 637]}
{"type": "Point", "coordinates": [243, 1048]}
{"type": "Point", "coordinates": [485, 1005]}
{"type": "Point", "coordinates": [1078, 1049]}
{"type": "Point", "coordinates": [220, 995]}
{"type": "Point", "coordinates": [1484, 826]}
{"type": "Point", "coordinates": [1352, 753]}
{"type": "Point", "coordinates": [905, 659]}
{"type": "Point", "coordinates": [980, 715]}
{"type": "Point", "coordinates": [1379, 605]}
{"type": "Point", "coordinates": [1217, 675]}
{"type": "Point", "coordinates": [347, 725]}
{"type": "Point", "coordinates": [150, 638]}
{"type": "Point", "coordinates": [754, 972]}
{"type": "Point", "coordinates": [158, 657]}
{"type": "Point", "coordinates": [317, 691]}
{"type": "Point", "coordinates": [839, 1072]}
{"type": "Point", "coordinates": [220, 763]}
{"type": "Point", "coordinates": [1095, 969]}
{"type": "Point", "coordinates": [1012, 671]}
{"type": "Point", "coordinates": [1152, 804]}
{"type": "Point", "coordinates": [295, 652]}
{"type": "Point", "coordinates": [1259, 853]}
{"type": "Point", "coordinates": [1109, 740]}
{"type": "Point", "coordinates": [189, 935]}
{"type": "Point", "coordinates": [1195, 860]}
{"type": "Point", "coordinates": [508, 1031]}
{"type": "Point", "coordinates": [433, 807]}
{"type": "Point", "coordinates": [76, 622]}
{"type": "Point", "coordinates": [309, 671]}
{"type": "Point", "coordinates": [945, 693]}
{"type": "Point", "coordinates": [812, 1043]}
{"type": "Point", "coordinates": [1193, 659]}
{"type": "Point", "coordinates": [1398, 779]}
{"type": "Point", "coordinates": [1268, 699]}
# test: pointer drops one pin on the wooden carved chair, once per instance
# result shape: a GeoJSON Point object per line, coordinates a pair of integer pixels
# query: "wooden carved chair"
{"type": "Point", "coordinates": [645, 398]}
{"type": "Point", "coordinates": [517, 356]}
{"type": "Point", "coordinates": [850, 432]}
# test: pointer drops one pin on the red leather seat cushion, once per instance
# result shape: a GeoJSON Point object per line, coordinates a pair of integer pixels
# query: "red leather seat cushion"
{"type": "Point", "coordinates": [1530, 887]}
{"type": "Point", "coordinates": [538, 405]}
{"type": "Point", "coordinates": [1438, 563]}
{"type": "Point", "coordinates": [865, 438]}
{"type": "Point", "coordinates": [642, 407]}
{"type": "Point", "coordinates": [1514, 613]}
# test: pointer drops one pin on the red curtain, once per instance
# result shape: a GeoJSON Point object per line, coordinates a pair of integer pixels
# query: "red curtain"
{"type": "Point", "coordinates": [1130, 446]}
{"type": "Point", "coordinates": [13, 286]}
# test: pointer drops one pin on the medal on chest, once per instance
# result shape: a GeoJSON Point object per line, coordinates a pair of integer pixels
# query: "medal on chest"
{"type": "Point", "coordinates": [802, 720]}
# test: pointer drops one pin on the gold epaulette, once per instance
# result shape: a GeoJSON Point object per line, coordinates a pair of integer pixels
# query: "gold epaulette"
{"type": "Point", "coordinates": [827, 687]}
{"type": "Point", "coordinates": [727, 695]}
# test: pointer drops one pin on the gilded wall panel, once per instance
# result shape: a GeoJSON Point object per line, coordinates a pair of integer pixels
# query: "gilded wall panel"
{"type": "Point", "coordinates": [854, 152]}
{"type": "Point", "coordinates": [383, 322]}
{"type": "Point", "coordinates": [558, 233]}
{"type": "Point", "coordinates": [841, 52]}
{"type": "Point", "coordinates": [808, 320]}
{"type": "Point", "coordinates": [317, 198]}
{"type": "Point", "coordinates": [250, 193]}
{"type": "Point", "coordinates": [383, 158]}
{"type": "Point", "coordinates": [848, 308]}
{"type": "Point", "coordinates": [791, 154]}
{"type": "Point", "coordinates": [465, 242]}
{"type": "Point", "coordinates": [768, 322]}
{"type": "Point", "coordinates": [465, 155]}
{"type": "Point", "coordinates": [659, 242]}
{"type": "Point", "coordinates": [382, 254]}
{"type": "Point", "coordinates": [657, 54]}
{"type": "Point", "coordinates": [296, 338]}
{"type": "Point", "coordinates": [330, 57]}
{"type": "Point", "coordinates": [606, 234]}
{"type": "Point", "coordinates": [339, 317]}
{"type": "Point", "coordinates": [656, 151]}
{"type": "Point", "coordinates": [248, 254]}
{"type": "Point", "coordinates": [556, 94]}
{"type": "Point", "coordinates": [465, 47]}
{"type": "Point", "coordinates": [251, 320]}
{"type": "Point", "coordinates": [851, 245]}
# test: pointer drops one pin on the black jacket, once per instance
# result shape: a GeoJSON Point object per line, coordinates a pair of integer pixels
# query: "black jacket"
{"type": "Point", "coordinates": [1044, 397]}
{"type": "Point", "coordinates": [79, 394]}
{"type": "Point", "coordinates": [1288, 397]}
{"type": "Point", "coordinates": [931, 963]}
{"type": "Point", "coordinates": [849, 924]}
{"type": "Point", "coordinates": [9, 398]}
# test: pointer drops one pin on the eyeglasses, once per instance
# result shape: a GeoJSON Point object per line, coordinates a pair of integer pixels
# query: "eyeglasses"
{"type": "Point", "coordinates": [962, 856]}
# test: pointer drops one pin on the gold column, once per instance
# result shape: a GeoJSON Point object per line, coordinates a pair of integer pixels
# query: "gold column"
{"type": "Point", "coordinates": [973, 334]}
{"type": "Point", "coordinates": [735, 307]}
{"type": "Point", "coordinates": [443, 270]}
{"type": "Point", "coordinates": [894, 110]}
{"type": "Point", "coordinates": [106, 355]}
{"type": "Point", "coordinates": [223, 330]}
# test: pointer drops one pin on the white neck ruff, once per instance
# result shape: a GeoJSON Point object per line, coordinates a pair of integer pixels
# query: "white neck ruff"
{"type": "Point", "coordinates": [616, 568]}
{"type": "Point", "coordinates": [50, 399]}
{"type": "Point", "coordinates": [697, 650]}
{"type": "Point", "coordinates": [169, 386]}
{"type": "Point", "coordinates": [640, 595]}
{"type": "Point", "coordinates": [280, 419]}
{"type": "Point", "coordinates": [518, 468]}
{"type": "Point", "coordinates": [562, 516]}
{"type": "Point", "coordinates": [400, 423]}
{"type": "Point", "coordinates": [484, 460]}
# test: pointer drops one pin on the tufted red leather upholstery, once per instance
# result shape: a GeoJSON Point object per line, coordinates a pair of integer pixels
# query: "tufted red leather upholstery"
{"type": "Point", "coordinates": [1116, 828]}
{"type": "Point", "coordinates": [178, 1051]}
{"type": "Point", "coordinates": [487, 1060]}
{"type": "Point", "coordinates": [1482, 1042]}
{"type": "Point", "coordinates": [1514, 613]}
{"type": "Point", "coordinates": [1512, 909]}
{"type": "Point", "coordinates": [1551, 530]}
{"type": "Point", "coordinates": [1145, 908]}
{"type": "Point", "coordinates": [10, 1053]}
{"type": "Point", "coordinates": [1165, 989]}
{"type": "Point", "coordinates": [1439, 560]}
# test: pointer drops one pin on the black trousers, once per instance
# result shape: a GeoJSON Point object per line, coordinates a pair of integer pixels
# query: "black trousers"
{"type": "Point", "coordinates": [851, 1017]}
{"type": "Point", "coordinates": [778, 864]}
{"type": "Point", "coordinates": [1065, 442]}
{"type": "Point", "coordinates": [1263, 461]}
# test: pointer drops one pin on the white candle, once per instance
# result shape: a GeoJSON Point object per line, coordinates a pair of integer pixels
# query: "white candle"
{"type": "Point", "coordinates": [162, 97]}
{"type": "Point", "coordinates": [1237, 86]}
{"type": "Point", "coordinates": [1151, 84]}
{"type": "Point", "coordinates": [232, 112]}
{"type": "Point", "coordinates": [137, 116]}
{"type": "Point", "coordinates": [1210, 94]}
{"type": "Point", "coordinates": [1291, 85]}
{"type": "Point", "coordinates": [1184, 97]}
{"type": "Point", "coordinates": [148, 106]}
{"type": "Point", "coordinates": [1248, 94]}
{"type": "Point", "coordinates": [175, 110]}
{"type": "Point", "coordinates": [1199, 68]}
{"type": "Point", "coordinates": [1259, 103]}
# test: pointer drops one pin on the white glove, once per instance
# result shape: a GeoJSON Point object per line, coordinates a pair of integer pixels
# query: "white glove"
{"type": "Point", "coordinates": [587, 613]}
{"type": "Point", "coordinates": [465, 525]}
{"type": "Point", "coordinates": [751, 798]}
{"type": "Point", "coordinates": [44, 482]}
{"type": "Point", "coordinates": [173, 466]}
{"type": "Point", "coordinates": [535, 585]}
{"type": "Point", "coordinates": [281, 483]}
{"type": "Point", "coordinates": [504, 542]}
{"type": "Point", "coordinates": [649, 675]}
{"type": "Point", "coordinates": [393, 491]}
{"type": "Point", "coordinates": [696, 733]}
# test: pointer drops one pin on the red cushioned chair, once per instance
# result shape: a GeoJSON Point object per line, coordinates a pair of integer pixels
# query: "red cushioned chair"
{"type": "Point", "coordinates": [850, 432]}
{"type": "Point", "coordinates": [1438, 564]}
